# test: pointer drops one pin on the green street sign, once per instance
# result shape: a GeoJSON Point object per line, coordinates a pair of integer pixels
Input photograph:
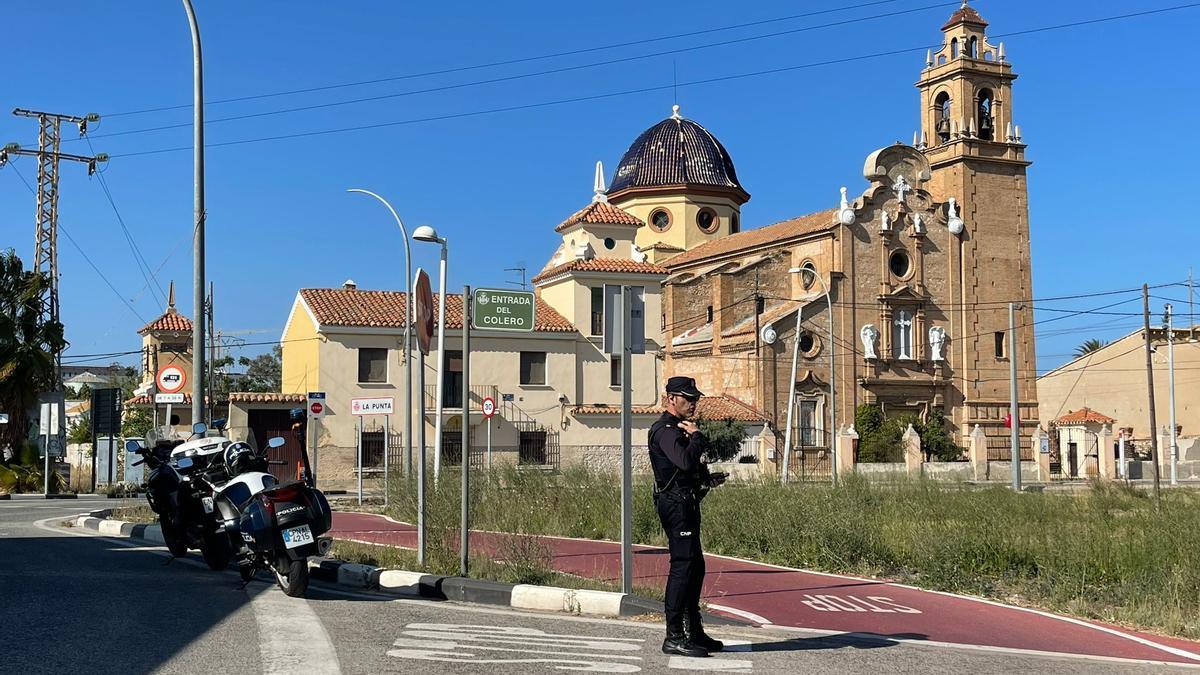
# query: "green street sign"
{"type": "Point", "coordinates": [496, 309]}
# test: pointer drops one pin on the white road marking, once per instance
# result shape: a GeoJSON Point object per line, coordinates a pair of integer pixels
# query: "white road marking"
{"type": "Point", "coordinates": [291, 637]}
{"type": "Point", "coordinates": [751, 616]}
{"type": "Point", "coordinates": [462, 643]}
{"type": "Point", "coordinates": [737, 646]}
{"type": "Point", "coordinates": [709, 663]}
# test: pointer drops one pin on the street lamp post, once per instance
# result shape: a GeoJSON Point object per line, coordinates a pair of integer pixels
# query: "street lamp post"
{"type": "Point", "coordinates": [832, 431]}
{"type": "Point", "coordinates": [427, 234]}
{"type": "Point", "coordinates": [408, 314]}
{"type": "Point", "coordinates": [199, 217]}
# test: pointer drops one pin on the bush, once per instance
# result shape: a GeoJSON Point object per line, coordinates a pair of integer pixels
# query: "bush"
{"type": "Point", "coordinates": [881, 440]}
{"type": "Point", "coordinates": [724, 438]}
{"type": "Point", "coordinates": [137, 423]}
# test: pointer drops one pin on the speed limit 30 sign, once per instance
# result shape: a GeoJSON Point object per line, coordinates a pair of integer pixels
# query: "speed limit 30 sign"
{"type": "Point", "coordinates": [489, 407]}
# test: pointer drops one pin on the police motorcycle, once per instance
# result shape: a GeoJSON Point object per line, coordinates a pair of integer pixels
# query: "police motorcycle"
{"type": "Point", "coordinates": [182, 479]}
{"type": "Point", "coordinates": [272, 527]}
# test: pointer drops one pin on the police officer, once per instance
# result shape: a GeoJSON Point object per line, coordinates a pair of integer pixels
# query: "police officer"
{"type": "Point", "coordinates": [681, 480]}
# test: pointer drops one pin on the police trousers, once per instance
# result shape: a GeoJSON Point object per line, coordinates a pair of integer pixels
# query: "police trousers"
{"type": "Point", "coordinates": [679, 513]}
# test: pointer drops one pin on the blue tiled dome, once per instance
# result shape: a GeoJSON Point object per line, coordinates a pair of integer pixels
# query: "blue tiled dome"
{"type": "Point", "coordinates": [676, 151]}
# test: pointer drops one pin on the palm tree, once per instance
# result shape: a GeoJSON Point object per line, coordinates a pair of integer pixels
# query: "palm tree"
{"type": "Point", "coordinates": [1090, 345]}
{"type": "Point", "coordinates": [27, 347]}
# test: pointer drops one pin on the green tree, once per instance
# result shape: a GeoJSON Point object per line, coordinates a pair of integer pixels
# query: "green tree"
{"type": "Point", "coordinates": [880, 439]}
{"type": "Point", "coordinates": [264, 372]}
{"type": "Point", "coordinates": [1090, 345]}
{"type": "Point", "coordinates": [81, 429]}
{"type": "Point", "coordinates": [724, 438]}
{"type": "Point", "coordinates": [137, 423]}
{"type": "Point", "coordinates": [84, 393]}
{"type": "Point", "coordinates": [27, 345]}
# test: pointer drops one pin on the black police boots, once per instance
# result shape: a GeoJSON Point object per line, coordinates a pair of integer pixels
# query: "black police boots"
{"type": "Point", "coordinates": [677, 642]}
{"type": "Point", "coordinates": [696, 635]}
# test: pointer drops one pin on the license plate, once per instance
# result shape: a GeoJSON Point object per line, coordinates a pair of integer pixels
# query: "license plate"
{"type": "Point", "coordinates": [297, 536]}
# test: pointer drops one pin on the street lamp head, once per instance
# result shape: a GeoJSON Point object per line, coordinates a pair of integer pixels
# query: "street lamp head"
{"type": "Point", "coordinates": [428, 234]}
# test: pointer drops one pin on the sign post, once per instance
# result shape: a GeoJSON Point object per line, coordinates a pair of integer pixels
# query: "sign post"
{"type": "Point", "coordinates": [468, 319]}
{"type": "Point", "coordinates": [44, 424]}
{"type": "Point", "coordinates": [489, 409]}
{"type": "Point", "coordinates": [624, 336]}
{"type": "Point", "coordinates": [423, 315]}
{"type": "Point", "coordinates": [361, 407]}
{"type": "Point", "coordinates": [1121, 445]}
{"type": "Point", "coordinates": [317, 406]}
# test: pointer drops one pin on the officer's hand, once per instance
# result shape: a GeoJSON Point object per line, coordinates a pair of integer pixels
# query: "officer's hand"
{"type": "Point", "coordinates": [688, 427]}
{"type": "Point", "coordinates": [717, 479]}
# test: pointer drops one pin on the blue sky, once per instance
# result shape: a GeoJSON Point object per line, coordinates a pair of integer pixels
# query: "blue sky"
{"type": "Point", "coordinates": [1108, 111]}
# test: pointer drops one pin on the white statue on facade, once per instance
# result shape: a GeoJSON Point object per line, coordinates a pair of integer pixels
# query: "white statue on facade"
{"type": "Point", "coordinates": [937, 342]}
{"type": "Point", "coordinates": [869, 335]}
{"type": "Point", "coordinates": [884, 222]}
{"type": "Point", "coordinates": [900, 187]}
{"type": "Point", "coordinates": [953, 222]}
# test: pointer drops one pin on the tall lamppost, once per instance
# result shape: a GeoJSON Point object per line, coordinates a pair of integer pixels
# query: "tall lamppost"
{"type": "Point", "coordinates": [832, 431]}
{"type": "Point", "coordinates": [408, 319]}
{"type": "Point", "coordinates": [427, 234]}
{"type": "Point", "coordinates": [199, 217]}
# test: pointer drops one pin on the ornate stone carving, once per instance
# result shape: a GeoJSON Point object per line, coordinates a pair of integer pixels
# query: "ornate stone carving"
{"type": "Point", "coordinates": [870, 336]}
{"type": "Point", "coordinates": [937, 343]}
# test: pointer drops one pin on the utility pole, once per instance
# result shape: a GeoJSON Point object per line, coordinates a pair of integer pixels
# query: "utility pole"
{"type": "Point", "coordinates": [1150, 388]}
{"type": "Point", "coordinates": [1014, 413]}
{"type": "Point", "coordinates": [45, 255]}
{"type": "Point", "coordinates": [1171, 391]}
{"type": "Point", "coordinates": [198, 215]}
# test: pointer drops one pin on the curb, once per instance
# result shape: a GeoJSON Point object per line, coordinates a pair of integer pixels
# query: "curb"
{"type": "Point", "coordinates": [430, 586]}
{"type": "Point", "coordinates": [5, 496]}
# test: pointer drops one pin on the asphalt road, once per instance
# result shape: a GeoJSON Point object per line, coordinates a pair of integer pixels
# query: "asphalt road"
{"type": "Point", "coordinates": [75, 602]}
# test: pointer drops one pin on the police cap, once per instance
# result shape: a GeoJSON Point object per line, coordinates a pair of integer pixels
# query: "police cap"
{"type": "Point", "coordinates": [683, 386]}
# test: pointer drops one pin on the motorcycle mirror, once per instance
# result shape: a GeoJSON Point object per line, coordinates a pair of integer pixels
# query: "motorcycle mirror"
{"type": "Point", "coordinates": [184, 463]}
{"type": "Point", "coordinates": [276, 442]}
{"type": "Point", "coordinates": [132, 446]}
{"type": "Point", "coordinates": [199, 428]}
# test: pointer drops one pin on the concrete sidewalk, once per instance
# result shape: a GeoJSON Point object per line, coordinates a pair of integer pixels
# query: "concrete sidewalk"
{"type": "Point", "coordinates": [768, 594]}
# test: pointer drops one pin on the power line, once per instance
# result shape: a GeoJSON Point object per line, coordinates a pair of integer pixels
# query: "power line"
{"type": "Point", "coordinates": [493, 64]}
{"type": "Point", "coordinates": [627, 92]}
{"type": "Point", "coordinates": [524, 76]}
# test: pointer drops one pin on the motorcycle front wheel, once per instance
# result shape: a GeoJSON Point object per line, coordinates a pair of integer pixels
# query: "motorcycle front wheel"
{"type": "Point", "coordinates": [292, 577]}
{"type": "Point", "coordinates": [175, 540]}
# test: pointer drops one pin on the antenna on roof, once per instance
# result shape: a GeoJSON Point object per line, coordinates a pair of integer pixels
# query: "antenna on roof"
{"type": "Point", "coordinates": [598, 185]}
{"type": "Point", "coordinates": [521, 269]}
{"type": "Point", "coordinates": [674, 89]}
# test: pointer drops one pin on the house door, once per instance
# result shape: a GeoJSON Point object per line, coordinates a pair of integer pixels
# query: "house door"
{"type": "Point", "coordinates": [267, 424]}
{"type": "Point", "coordinates": [1072, 459]}
{"type": "Point", "coordinates": [452, 383]}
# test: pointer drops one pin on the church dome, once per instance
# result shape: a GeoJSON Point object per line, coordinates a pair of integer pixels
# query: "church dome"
{"type": "Point", "coordinates": [676, 151]}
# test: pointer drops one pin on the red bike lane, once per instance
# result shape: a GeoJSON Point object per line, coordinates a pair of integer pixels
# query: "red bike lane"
{"type": "Point", "coordinates": [788, 597]}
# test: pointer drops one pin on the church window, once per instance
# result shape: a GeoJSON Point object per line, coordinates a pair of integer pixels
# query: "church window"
{"type": "Point", "coordinates": [989, 56]}
{"type": "Point", "coordinates": [903, 334]}
{"type": "Point", "coordinates": [735, 223]}
{"type": "Point", "coordinates": [807, 342]}
{"type": "Point", "coordinates": [808, 423]}
{"type": "Point", "coordinates": [808, 274]}
{"type": "Point", "coordinates": [610, 243]}
{"type": "Point", "coordinates": [942, 116]}
{"type": "Point", "coordinates": [954, 48]}
{"type": "Point", "coordinates": [973, 47]}
{"type": "Point", "coordinates": [1001, 345]}
{"type": "Point", "coordinates": [899, 264]}
{"type": "Point", "coordinates": [987, 124]}
{"type": "Point", "coordinates": [941, 60]}
{"type": "Point", "coordinates": [660, 220]}
{"type": "Point", "coordinates": [707, 220]}
{"type": "Point", "coordinates": [710, 314]}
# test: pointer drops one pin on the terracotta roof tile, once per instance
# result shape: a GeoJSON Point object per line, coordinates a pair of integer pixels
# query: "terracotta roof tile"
{"type": "Point", "coordinates": [1085, 415]}
{"type": "Point", "coordinates": [265, 397]}
{"type": "Point", "coordinates": [723, 407]}
{"type": "Point", "coordinates": [749, 239]}
{"type": "Point", "coordinates": [169, 321]}
{"type": "Point", "coordinates": [618, 265]}
{"type": "Point", "coordinates": [599, 213]}
{"type": "Point", "coordinates": [965, 14]}
{"type": "Point", "coordinates": [385, 309]}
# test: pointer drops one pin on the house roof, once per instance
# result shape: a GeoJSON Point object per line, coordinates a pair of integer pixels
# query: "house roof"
{"type": "Point", "coordinates": [385, 309]}
{"type": "Point", "coordinates": [265, 397]}
{"type": "Point", "coordinates": [1085, 415]}
{"type": "Point", "coordinates": [750, 239]}
{"type": "Point", "coordinates": [721, 407]}
{"type": "Point", "coordinates": [615, 265]}
{"type": "Point", "coordinates": [965, 14]}
{"type": "Point", "coordinates": [599, 213]}
{"type": "Point", "coordinates": [170, 321]}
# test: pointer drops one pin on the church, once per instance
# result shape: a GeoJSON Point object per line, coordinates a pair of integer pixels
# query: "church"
{"type": "Point", "coordinates": [896, 297]}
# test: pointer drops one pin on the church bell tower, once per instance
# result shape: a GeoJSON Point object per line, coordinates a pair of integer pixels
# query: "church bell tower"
{"type": "Point", "coordinates": [977, 159]}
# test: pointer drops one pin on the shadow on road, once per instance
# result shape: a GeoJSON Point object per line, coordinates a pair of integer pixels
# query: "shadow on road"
{"type": "Point", "coordinates": [837, 641]}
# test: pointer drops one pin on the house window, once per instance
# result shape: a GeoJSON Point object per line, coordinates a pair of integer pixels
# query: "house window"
{"type": "Point", "coordinates": [533, 367]}
{"type": "Point", "coordinates": [1001, 346]}
{"type": "Point", "coordinates": [372, 365]}
{"type": "Point", "coordinates": [597, 310]}
{"type": "Point", "coordinates": [374, 445]}
{"type": "Point", "coordinates": [808, 424]}
{"type": "Point", "coordinates": [610, 243]}
{"type": "Point", "coordinates": [903, 334]}
{"type": "Point", "coordinates": [614, 374]}
{"type": "Point", "coordinates": [532, 448]}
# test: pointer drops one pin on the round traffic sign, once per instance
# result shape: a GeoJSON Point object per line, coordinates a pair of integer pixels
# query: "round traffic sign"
{"type": "Point", "coordinates": [423, 311]}
{"type": "Point", "coordinates": [171, 379]}
{"type": "Point", "coordinates": [489, 407]}
{"type": "Point", "coordinates": [317, 408]}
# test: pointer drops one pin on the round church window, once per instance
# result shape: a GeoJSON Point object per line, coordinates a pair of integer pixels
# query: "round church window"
{"type": "Point", "coordinates": [660, 220]}
{"type": "Point", "coordinates": [900, 264]}
{"type": "Point", "coordinates": [806, 342]}
{"type": "Point", "coordinates": [610, 243]}
{"type": "Point", "coordinates": [707, 220]}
